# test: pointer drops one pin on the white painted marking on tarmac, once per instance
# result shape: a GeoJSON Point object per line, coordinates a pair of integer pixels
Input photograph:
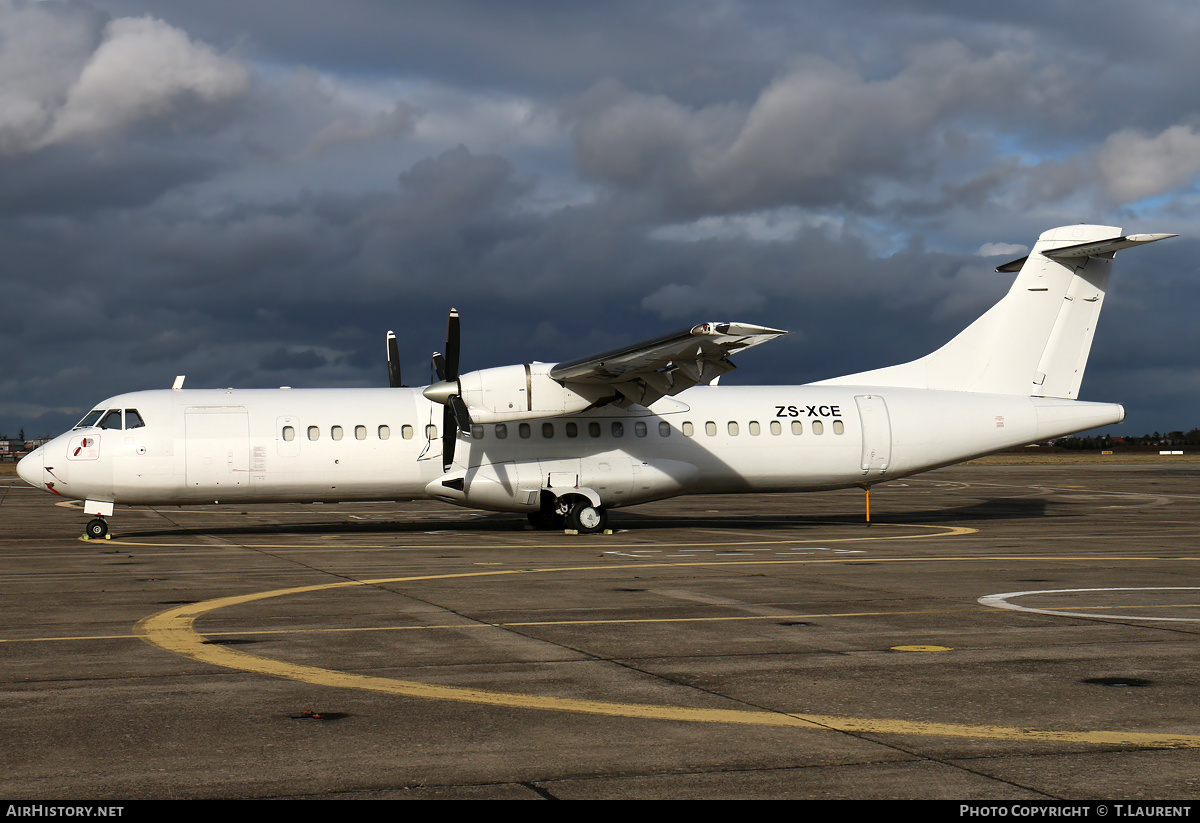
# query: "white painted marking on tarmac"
{"type": "Point", "coordinates": [1000, 601]}
{"type": "Point", "coordinates": [650, 554]}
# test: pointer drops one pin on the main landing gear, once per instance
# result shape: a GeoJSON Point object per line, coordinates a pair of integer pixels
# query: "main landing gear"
{"type": "Point", "coordinates": [586, 518]}
{"type": "Point", "coordinates": [572, 513]}
{"type": "Point", "coordinates": [96, 529]}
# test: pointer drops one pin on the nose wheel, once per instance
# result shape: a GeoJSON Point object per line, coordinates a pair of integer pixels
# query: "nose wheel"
{"type": "Point", "coordinates": [96, 529]}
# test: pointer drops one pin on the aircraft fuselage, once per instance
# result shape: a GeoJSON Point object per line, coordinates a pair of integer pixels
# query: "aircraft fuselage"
{"type": "Point", "coordinates": [331, 445]}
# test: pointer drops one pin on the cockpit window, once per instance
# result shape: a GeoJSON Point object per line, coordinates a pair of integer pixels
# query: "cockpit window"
{"type": "Point", "coordinates": [133, 420]}
{"type": "Point", "coordinates": [89, 419]}
{"type": "Point", "coordinates": [112, 420]}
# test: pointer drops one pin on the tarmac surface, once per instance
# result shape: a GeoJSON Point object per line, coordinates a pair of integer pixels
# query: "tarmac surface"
{"type": "Point", "coordinates": [1019, 632]}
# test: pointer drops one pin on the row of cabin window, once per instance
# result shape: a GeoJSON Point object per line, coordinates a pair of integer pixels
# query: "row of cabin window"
{"type": "Point", "coordinates": [640, 429]}
{"type": "Point", "coordinates": [360, 432]}
{"type": "Point", "coordinates": [571, 429]}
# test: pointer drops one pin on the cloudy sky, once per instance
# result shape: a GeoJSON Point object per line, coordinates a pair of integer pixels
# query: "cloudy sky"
{"type": "Point", "coordinates": [252, 192]}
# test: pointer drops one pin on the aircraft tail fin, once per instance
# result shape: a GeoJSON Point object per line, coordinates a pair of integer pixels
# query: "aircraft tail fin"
{"type": "Point", "coordinates": [1034, 342]}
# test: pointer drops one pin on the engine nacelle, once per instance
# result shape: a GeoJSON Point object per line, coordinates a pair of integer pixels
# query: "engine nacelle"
{"type": "Point", "coordinates": [523, 392]}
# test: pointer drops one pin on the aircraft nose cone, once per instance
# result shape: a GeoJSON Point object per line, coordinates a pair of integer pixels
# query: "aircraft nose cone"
{"type": "Point", "coordinates": [30, 467]}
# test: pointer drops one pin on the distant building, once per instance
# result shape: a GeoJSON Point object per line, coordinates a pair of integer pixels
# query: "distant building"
{"type": "Point", "coordinates": [11, 448]}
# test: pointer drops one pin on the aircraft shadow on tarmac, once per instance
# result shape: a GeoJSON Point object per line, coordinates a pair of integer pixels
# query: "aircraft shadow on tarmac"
{"type": "Point", "coordinates": [1000, 508]}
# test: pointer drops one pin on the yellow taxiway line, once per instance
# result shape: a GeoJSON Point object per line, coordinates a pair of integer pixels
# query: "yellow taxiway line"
{"type": "Point", "coordinates": [174, 631]}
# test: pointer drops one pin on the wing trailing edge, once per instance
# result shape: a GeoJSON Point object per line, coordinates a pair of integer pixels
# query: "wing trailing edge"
{"type": "Point", "coordinates": [665, 366]}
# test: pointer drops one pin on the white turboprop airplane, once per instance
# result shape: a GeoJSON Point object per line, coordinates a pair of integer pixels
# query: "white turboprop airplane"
{"type": "Point", "coordinates": [566, 442]}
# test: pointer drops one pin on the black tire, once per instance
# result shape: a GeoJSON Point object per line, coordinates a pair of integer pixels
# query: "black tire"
{"type": "Point", "coordinates": [586, 518]}
{"type": "Point", "coordinates": [96, 529]}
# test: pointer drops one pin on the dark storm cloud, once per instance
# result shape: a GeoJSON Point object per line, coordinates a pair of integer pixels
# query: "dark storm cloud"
{"type": "Point", "coordinates": [821, 134]}
{"type": "Point", "coordinates": [253, 193]}
{"type": "Point", "coordinates": [74, 77]}
{"type": "Point", "coordinates": [65, 180]}
{"type": "Point", "coordinates": [546, 48]}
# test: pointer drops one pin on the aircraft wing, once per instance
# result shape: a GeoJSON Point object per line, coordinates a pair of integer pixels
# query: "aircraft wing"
{"type": "Point", "coordinates": [647, 371]}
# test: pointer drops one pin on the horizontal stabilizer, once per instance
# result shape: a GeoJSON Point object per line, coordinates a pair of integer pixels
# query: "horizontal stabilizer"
{"type": "Point", "coordinates": [1090, 249]}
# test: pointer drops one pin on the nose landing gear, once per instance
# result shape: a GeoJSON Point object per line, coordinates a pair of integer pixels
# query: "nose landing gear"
{"type": "Point", "coordinates": [97, 528]}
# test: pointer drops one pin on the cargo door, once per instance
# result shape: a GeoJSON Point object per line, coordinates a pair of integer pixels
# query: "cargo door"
{"type": "Point", "coordinates": [218, 450]}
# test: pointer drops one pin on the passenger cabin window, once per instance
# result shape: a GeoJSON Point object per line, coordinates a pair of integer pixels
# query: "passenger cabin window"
{"type": "Point", "coordinates": [733, 428]}
{"type": "Point", "coordinates": [547, 430]}
{"type": "Point", "coordinates": [639, 428]}
{"type": "Point", "coordinates": [572, 430]}
{"type": "Point", "coordinates": [776, 428]}
{"type": "Point", "coordinates": [524, 431]}
{"type": "Point", "coordinates": [798, 427]}
{"type": "Point", "coordinates": [313, 432]}
{"type": "Point", "coordinates": [501, 431]}
{"type": "Point", "coordinates": [476, 431]}
{"type": "Point", "coordinates": [618, 429]}
{"type": "Point", "coordinates": [688, 429]}
{"type": "Point", "coordinates": [431, 431]}
{"type": "Point", "coordinates": [336, 432]}
{"type": "Point", "coordinates": [594, 429]}
{"type": "Point", "coordinates": [289, 433]}
{"type": "Point", "coordinates": [839, 427]}
{"type": "Point", "coordinates": [755, 429]}
{"type": "Point", "coordinates": [710, 428]}
{"type": "Point", "coordinates": [406, 431]}
{"type": "Point", "coordinates": [818, 427]}
{"type": "Point", "coordinates": [385, 432]}
{"type": "Point", "coordinates": [664, 429]}
{"type": "Point", "coordinates": [360, 432]}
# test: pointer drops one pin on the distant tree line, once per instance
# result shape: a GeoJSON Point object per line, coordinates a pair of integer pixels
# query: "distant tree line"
{"type": "Point", "coordinates": [1157, 440]}
{"type": "Point", "coordinates": [21, 436]}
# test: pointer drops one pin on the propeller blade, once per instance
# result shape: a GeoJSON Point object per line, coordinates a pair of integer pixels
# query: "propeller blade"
{"type": "Point", "coordinates": [393, 358]}
{"type": "Point", "coordinates": [461, 415]}
{"type": "Point", "coordinates": [452, 348]}
{"type": "Point", "coordinates": [455, 417]}
{"type": "Point", "coordinates": [449, 438]}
